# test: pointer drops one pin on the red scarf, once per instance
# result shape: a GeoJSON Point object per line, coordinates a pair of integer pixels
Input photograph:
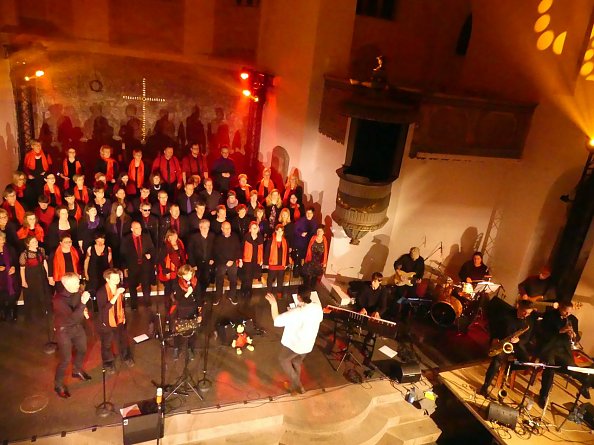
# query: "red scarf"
{"type": "Point", "coordinates": [82, 196]}
{"type": "Point", "coordinates": [308, 255]}
{"type": "Point", "coordinates": [117, 307]}
{"type": "Point", "coordinates": [261, 189]}
{"type": "Point", "coordinates": [296, 212]}
{"type": "Point", "coordinates": [110, 171]}
{"type": "Point", "coordinates": [273, 257]}
{"type": "Point", "coordinates": [173, 261]}
{"type": "Point", "coordinates": [57, 194]}
{"type": "Point", "coordinates": [77, 168]}
{"type": "Point", "coordinates": [37, 232]}
{"type": "Point", "coordinates": [137, 180]}
{"type": "Point", "coordinates": [19, 189]}
{"type": "Point", "coordinates": [18, 208]}
{"type": "Point", "coordinates": [60, 264]}
{"type": "Point", "coordinates": [248, 251]}
{"type": "Point", "coordinates": [30, 161]}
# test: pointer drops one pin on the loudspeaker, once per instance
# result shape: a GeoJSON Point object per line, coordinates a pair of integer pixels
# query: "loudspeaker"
{"type": "Point", "coordinates": [408, 372]}
{"type": "Point", "coordinates": [144, 426]}
{"type": "Point", "coordinates": [502, 414]}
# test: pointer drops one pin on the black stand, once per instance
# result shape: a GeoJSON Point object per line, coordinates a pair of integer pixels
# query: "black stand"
{"type": "Point", "coordinates": [204, 384]}
{"type": "Point", "coordinates": [51, 346]}
{"type": "Point", "coordinates": [162, 347]}
{"type": "Point", "coordinates": [573, 414]}
{"type": "Point", "coordinates": [185, 383]}
{"type": "Point", "coordinates": [105, 408]}
{"type": "Point", "coordinates": [346, 352]}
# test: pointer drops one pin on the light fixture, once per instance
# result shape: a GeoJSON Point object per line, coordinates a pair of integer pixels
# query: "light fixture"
{"type": "Point", "coordinates": [244, 75]}
{"type": "Point", "coordinates": [39, 73]}
{"type": "Point", "coordinates": [246, 93]}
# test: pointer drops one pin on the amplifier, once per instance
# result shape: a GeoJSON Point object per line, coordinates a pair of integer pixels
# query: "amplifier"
{"type": "Point", "coordinates": [503, 414]}
{"type": "Point", "coordinates": [143, 427]}
{"type": "Point", "coordinates": [404, 372]}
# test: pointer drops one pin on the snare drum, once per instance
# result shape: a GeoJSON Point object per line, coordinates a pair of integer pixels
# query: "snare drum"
{"type": "Point", "coordinates": [446, 310]}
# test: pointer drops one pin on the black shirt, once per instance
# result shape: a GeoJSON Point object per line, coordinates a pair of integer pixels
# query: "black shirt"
{"type": "Point", "coordinates": [469, 270]}
{"type": "Point", "coordinates": [373, 300]}
{"type": "Point", "coordinates": [226, 249]}
{"type": "Point", "coordinates": [533, 286]}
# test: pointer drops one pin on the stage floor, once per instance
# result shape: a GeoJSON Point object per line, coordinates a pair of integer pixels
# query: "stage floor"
{"type": "Point", "coordinates": [31, 408]}
{"type": "Point", "coordinates": [463, 382]}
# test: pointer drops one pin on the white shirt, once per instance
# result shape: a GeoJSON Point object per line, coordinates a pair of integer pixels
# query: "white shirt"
{"type": "Point", "coordinates": [301, 327]}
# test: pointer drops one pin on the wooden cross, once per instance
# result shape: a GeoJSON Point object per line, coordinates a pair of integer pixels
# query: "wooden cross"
{"type": "Point", "coordinates": [144, 99]}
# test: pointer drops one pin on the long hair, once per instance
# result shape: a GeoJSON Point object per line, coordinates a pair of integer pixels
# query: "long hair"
{"type": "Point", "coordinates": [113, 216]}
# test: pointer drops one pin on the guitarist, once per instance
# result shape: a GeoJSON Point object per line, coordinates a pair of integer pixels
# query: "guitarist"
{"type": "Point", "coordinates": [511, 321]}
{"type": "Point", "coordinates": [411, 262]}
{"type": "Point", "coordinates": [538, 287]}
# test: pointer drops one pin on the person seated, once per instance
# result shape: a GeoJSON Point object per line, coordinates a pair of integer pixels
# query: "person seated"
{"type": "Point", "coordinates": [373, 302]}
{"type": "Point", "coordinates": [474, 270]}
{"type": "Point", "coordinates": [514, 326]}
{"type": "Point", "coordinates": [538, 287]}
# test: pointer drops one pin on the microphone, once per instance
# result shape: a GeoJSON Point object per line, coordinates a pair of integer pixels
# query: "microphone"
{"type": "Point", "coordinates": [159, 395]}
{"type": "Point", "coordinates": [441, 247]}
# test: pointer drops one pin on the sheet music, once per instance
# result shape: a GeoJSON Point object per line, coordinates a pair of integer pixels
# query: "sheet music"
{"type": "Point", "coordinates": [386, 350]}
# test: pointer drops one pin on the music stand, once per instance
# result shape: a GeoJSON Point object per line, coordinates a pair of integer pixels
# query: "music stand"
{"type": "Point", "coordinates": [185, 381]}
{"type": "Point", "coordinates": [347, 352]}
{"type": "Point", "coordinates": [573, 412]}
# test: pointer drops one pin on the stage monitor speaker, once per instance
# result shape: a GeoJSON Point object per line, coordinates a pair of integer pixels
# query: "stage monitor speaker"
{"type": "Point", "coordinates": [407, 372]}
{"type": "Point", "coordinates": [588, 410]}
{"type": "Point", "coordinates": [502, 414]}
{"type": "Point", "coordinates": [143, 427]}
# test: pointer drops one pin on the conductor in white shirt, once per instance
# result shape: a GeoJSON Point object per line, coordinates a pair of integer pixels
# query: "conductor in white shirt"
{"type": "Point", "coordinates": [301, 329]}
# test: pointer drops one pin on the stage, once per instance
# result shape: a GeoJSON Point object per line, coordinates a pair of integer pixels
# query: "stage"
{"type": "Point", "coordinates": [464, 381]}
{"type": "Point", "coordinates": [32, 410]}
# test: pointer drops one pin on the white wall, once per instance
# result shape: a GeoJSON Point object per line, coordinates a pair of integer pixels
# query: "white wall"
{"type": "Point", "coordinates": [8, 129]}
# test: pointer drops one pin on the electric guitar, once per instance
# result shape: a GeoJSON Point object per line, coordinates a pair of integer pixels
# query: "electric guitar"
{"type": "Point", "coordinates": [400, 278]}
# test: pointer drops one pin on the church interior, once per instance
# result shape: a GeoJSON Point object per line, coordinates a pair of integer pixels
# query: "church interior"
{"type": "Point", "coordinates": [454, 127]}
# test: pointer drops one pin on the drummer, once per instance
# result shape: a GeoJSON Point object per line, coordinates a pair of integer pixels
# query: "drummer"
{"type": "Point", "coordinates": [474, 270]}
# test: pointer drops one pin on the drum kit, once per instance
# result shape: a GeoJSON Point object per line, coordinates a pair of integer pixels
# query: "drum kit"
{"type": "Point", "coordinates": [454, 302]}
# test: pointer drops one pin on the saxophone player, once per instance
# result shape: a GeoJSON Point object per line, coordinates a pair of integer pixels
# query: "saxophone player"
{"type": "Point", "coordinates": [513, 326]}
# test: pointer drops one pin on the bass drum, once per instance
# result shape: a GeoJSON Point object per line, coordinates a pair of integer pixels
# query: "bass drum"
{"type": "Point", "coordinates": [446, 310]}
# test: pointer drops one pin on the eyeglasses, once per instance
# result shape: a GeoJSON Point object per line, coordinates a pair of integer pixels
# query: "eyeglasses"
{"type": "Point", "coordinates": [146, 210]}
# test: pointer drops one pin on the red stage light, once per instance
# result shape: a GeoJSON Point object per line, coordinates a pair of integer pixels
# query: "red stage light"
{"type": "Point", "coordinates": [246, 93]}
{"type": "Point", "coordinates": [244, 75]}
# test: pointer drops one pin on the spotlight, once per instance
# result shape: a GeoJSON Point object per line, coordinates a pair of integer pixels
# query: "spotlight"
{"type": "Point", "coordinates": [27, 78]}
{"type": "Point", "coordinates": [246, 93]}
{"type": "Point", "coordinates": [39, 73]}
{"type": "Point", "coordinates": [244, 75]}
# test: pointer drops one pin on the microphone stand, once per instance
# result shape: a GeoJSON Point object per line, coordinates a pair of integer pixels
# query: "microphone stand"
{"type": "Point", "coordinates": [51, 346]}
{"type": "Point", "coordinates": [105, 408]}
{"type": "Point", "coordinates": [162, 347]}
{"type": "Point", "coordinates": [204, 384]}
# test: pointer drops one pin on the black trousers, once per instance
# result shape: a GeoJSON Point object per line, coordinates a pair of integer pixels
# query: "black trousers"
{"type": "Point", "coordinates": [205, 275]}
{"type": "Point", "coordinates": [66, 339]}
{"type": "Point", "coordinates": [501, 360]}
{"type": "Point", "coordinates": [231, 272]}
{"type": "Point", "coordinates": [140, 274]}
{"type": "Point", "coordinates": [118, 334]}
{"type": "Point", "coordinates": [249, 271]}
{"type": "Point", "coordinates": [276, 276]}
{"type": "Point", "coordinates": [559, 357]}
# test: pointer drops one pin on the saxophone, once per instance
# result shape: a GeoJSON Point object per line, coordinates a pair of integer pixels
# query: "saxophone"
{"type": "Point", "coordinates": [506, 345]}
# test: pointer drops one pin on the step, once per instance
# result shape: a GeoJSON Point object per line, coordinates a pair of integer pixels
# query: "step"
{"type": "Point", "coordinates": [418, 432]}
{"type": "Point", "coordinates": [264, 436]}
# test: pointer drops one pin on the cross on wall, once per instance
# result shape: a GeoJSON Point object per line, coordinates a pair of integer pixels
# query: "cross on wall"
{"type": "Point", "coordinates": [144, 99]}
